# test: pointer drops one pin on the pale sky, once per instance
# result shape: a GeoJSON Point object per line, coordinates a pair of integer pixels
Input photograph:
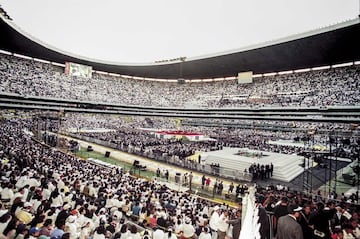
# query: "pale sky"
{"type": "Point", "coordinates": [144, 31]}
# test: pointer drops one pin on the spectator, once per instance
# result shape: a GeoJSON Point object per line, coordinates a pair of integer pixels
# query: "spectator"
{"type": "Point", "coordinates": [236, 223]}
{"type": "Point", "coordinates": [34, 233]}
{"type": "Point", "coordinates": [288, 227]}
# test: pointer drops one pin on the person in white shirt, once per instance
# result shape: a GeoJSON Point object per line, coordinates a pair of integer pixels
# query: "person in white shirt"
{"type": "Point", "coordinates": [20, 194]}
{"type": "Point", "coordinates": [5, 218]}
{"type": "Point", "coordinates": [348, 231]}
{"type": "Point", "coordinates": [158, 234]}
{"type": "Point", "coordinates": [7, 193]}
{"type": "Point", "coordinates": [85, 230]}
{"type": "Point", "coordinates": [214, 222]}
{"type": "Point", "coordinates": [134, 234]}
{"type": "Point", "coordinates": [33, 182]}
{"type": "Point", "coordinates": [99, 232]}
{"type": "Point", "coordinates": [355, 225]}
{"type": "Point", "coordinates": [71, 227]}
{"type": "Point", "coordinates": [178, 225]}
{"type": "Point", "coordinates": [223, 225]}
{"type": "Point", "coordinates": [187, 230]}
{"type": "Point", "coordinates": [124, 232]}
{"type": "Point", "coordinates": [170, 234]}
{"type": "Point", "coordinates": [205, 234]}
{"type": "Point", "coordinates": [22, 181]}
{"type": "Point", "coordinates": [56, 199]}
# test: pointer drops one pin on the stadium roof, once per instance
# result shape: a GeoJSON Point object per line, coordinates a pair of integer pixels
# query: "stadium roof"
{"type": "Point", "coordinates": [325, 46]}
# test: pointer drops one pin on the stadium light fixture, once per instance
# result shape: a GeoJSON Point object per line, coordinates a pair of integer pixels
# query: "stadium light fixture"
{"type": "Point", "coordinates": [101, 72]}
{"type": "Point", "coordinates": [230, 78]}
{"type": "Point", "coordinates": [320, 68]}
{"type": "Point", "coordinates": [114, 74]}
{"type": "Point", "coordinates": [342, 65]}
{"type": "Point", "coordinates": [302, 70]}
{"type": "Point", "coordinates": [42, 61]}
{"type": "Point", "coordinates": [57, 64]}
{"type": "Point", "coordinates": [270, 74]}
{"type": "Point", "coordinates": [138, 78]}
{"type": "Point", "coordinates": [22, 56]}
{"type": "Point", "coordinates": [196, 80]}
{"type": "Point", "coordinates": [5, 52]}
{"type": "Point", "coordinates": [285, 72]}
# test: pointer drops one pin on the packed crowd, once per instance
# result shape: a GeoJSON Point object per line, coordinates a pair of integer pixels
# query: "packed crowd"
{"type": "Point", "coordinates": [297, 215]}
{"type": "Point", "coordinates": [337, 86]}
{"type": "Point", "coordinates": [129, 135]}
{"type": "Point", "coordinates": [84, 121]}
{"type": "Point", "coordinates": [134, 135]}
{"type": "Point", "coordinates": [301, 126]}
{"type": "Point", "coordinates": [46, 193]}
{"type": "Point", "coordinates": [146, 143]}
{"type": "Point", "coordinates": [229, 131]}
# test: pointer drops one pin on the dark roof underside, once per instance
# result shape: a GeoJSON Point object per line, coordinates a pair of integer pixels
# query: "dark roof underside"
{"type": "Point", "coordinates": [327, 48]}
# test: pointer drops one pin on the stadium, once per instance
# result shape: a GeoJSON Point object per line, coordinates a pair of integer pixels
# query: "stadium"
{"type": "Point", "coordinates": [217, 146]}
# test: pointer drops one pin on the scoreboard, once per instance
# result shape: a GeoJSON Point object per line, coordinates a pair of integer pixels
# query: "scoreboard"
{"type": "Point", "coordinates": [74, 69]}
{"type": "Point", "coordinates": [245, 77]}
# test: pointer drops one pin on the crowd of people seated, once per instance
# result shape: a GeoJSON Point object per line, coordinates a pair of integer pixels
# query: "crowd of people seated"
{"type": "Point", "coordinates": [46, 192]}
{"type": "Point", "coordinates": [50, 194]}
{"type": "Point", "coordinates": [338, 86]}
{"type": "Point", "coordinates": [130, 134]}
{"type": "Point", "coordinates": [273, 124]}
{"type": "Point", "coordinates": [143, 143]}
{"type": "Point", "coordinates": [134, 135]}
{"type": "Point", "coordinates": [214, 128]}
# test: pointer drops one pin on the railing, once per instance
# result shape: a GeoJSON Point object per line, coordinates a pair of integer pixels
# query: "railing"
{"type": "Point", "coordinates": [250, 228]}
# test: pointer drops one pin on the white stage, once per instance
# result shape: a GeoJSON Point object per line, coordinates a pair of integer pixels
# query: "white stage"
{"type": "Point", "coordinates": [286, 167]}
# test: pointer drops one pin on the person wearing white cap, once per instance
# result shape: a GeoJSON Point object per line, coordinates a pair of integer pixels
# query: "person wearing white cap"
{"type": "Point", "coordinates": [288, 227]}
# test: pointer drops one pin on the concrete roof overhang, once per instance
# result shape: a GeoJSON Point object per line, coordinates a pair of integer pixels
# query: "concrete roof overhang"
{"type": "Point", "coordinates": [334, 44]}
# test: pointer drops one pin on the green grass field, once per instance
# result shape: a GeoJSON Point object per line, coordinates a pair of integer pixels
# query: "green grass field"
{"type": "Point", "coordinates": [83, 153]}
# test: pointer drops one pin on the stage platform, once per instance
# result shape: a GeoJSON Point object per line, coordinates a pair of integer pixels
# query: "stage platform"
{"type": "Point", "coordinates": [286, 167]}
